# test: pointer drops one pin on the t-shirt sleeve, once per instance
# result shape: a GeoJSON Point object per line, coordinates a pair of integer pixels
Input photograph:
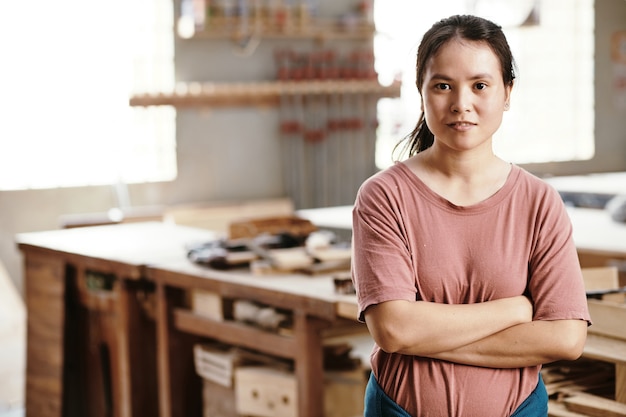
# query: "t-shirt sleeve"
{"type": "Point", "coordinates": [381, 261]}
{"type": "Point", "coordinates": [556, 284]}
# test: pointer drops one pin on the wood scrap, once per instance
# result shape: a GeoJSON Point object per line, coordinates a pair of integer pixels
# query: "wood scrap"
{"type": "Point", "coordinates": [251, 228]}
{"type": "Point", "coordinates": [263, 316]}
{"type": "Point", "coordinates": [587, 375]}
{"type": "Point", "coordinates": [557, 409]}
{"type": "Point", "coordinates": [331, 253]}
{"type": "Point", "coordinates": [608, 318]}
{"type": "Point", "coordinates": [290, 259]}
{"type": "Point", "coordinates": [327, 267]}
{"type": "Point", "coordinates": [265, 267]}
{"type": "Point", "coordinates": [593, 405]}
{"type": "Point", "coordinates": [585, 387]}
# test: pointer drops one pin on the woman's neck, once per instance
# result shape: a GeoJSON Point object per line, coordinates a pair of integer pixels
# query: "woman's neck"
{"type": "Point", "coordinates": [462, 178]}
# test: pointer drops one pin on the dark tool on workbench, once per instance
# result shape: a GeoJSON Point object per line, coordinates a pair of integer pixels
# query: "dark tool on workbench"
{"type": "Point", "coordinates": [597, 294]}
{"type": "Point", "coordinates": [232, 253]}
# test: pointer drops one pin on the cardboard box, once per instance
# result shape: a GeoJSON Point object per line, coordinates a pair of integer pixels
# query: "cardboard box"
{"type": "Point", "coordinates": [262, 391]}
{"type": "Point", "coordinates": [216, 363]}
{"type": "Point", "coordinates": [265, 392]}
{"type": "Point", "coordinates": [207, 304]}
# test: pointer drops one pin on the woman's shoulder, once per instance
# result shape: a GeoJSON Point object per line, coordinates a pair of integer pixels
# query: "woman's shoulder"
{"type": "Point", "coordinates": [393, 175]}
{"type": "Point", "coordinates": [534, 185]}
{"type": "Point", "coordinates": [387, 184]}
{"type": "Point", "coordinates": [532, 180]}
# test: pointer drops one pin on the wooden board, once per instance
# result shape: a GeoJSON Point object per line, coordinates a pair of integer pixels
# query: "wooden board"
{"type": "Point", "coordinates": [217, 216]}
{"type": "Point", "coordinates": [595, 406]}
{"type": "Point", "coordinates": [556, 409]}
{"type": "Point", "coordinates": [603, 278]}
{"type": "Point", "coordinates": [608, 317]}
{"type": "Point", "coordinates": [600, 278]}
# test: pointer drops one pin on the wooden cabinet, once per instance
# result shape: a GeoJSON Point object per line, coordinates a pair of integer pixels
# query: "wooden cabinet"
{"type": "Point", "coordinates": [311, 302]}
{"type": "Point", "coordinates": [91, 332]}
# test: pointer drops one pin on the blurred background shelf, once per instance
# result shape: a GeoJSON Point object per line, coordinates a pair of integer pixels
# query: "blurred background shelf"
{"type": "Point", "coordinates": [267, 93]}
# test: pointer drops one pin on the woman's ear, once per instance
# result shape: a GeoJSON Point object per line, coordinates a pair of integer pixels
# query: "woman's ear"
{"type": "Point", "coordinates": [507, 96]}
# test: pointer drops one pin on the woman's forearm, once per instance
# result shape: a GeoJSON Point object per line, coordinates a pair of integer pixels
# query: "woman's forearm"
{"type": "Point", "coordinates": [425, 328]}
{"type": "Point", "coordinates": [527, 344]}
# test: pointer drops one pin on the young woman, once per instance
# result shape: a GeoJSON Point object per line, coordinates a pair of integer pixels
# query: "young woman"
{"type": "Point", "coordinates": [465, 268]}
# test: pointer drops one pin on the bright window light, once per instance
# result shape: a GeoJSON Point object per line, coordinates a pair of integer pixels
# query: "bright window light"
{"type": "Point", "coordinates": [69, 68]}
{"type": "Point", "coordinates": [552, 105]}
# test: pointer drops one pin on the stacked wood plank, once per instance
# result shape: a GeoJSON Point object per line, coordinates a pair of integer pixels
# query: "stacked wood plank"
{"type": "Point", "coordinates": [592, 385]}
{"type": "Point", "coordinates": [582, 388]}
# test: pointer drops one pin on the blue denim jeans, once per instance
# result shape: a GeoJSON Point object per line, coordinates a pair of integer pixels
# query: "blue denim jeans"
{"type": "Point", "coordinates": [378, 404]}
{"type": "Point", "coordinates": [536, 405]}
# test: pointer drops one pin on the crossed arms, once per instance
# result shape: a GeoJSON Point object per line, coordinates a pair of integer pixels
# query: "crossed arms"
{"type": "Point", "coordinates": [494, 334]}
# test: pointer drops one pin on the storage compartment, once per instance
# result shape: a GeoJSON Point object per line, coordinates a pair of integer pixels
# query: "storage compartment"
{"type": "Point", "coordinates": [217, 400]}
{"type": "Point", "coordinates": [111, 346]}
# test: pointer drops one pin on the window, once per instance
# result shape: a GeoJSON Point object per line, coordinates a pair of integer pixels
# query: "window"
{"type": "Point", "coordinates": [72, 66]}
{"type": "Point", "coordinates": [552, 105]}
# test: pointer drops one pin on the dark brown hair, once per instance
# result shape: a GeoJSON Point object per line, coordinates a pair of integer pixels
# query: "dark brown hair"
{"type": "Point", "coordinates": [467, 27]}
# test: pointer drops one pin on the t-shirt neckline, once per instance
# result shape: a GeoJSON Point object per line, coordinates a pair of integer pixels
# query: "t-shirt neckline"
{"type": "Point", "coordinates": [439, 200]}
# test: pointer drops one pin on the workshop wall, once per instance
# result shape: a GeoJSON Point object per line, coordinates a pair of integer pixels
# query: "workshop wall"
{"type": "Point", "coordinates": [233, 153]}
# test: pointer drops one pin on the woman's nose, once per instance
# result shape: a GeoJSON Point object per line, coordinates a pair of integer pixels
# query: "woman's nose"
{"type": "Point", "coordinates": [461, 102]}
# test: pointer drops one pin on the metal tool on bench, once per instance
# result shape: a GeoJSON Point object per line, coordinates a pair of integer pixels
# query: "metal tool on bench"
{"type": "Point", "coordinates": [232, 253]}
{"type": "Point", "coordinates": [597, 294]}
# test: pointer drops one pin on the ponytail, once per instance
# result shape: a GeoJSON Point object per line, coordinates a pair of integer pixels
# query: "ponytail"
{"type": "Point", "coordinates": [420, 139]}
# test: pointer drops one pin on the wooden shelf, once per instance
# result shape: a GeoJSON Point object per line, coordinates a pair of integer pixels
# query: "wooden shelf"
{"type": "Point", "coordinates": [234, 333]}
{"type": "Point", "coordinates": [258, 93]}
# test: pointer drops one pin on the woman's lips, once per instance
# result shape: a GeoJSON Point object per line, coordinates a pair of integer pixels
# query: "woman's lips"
{"type": "Point", "coordinates": [461, 126]}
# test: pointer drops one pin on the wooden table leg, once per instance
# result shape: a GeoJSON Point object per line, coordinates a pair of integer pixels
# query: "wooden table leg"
{"type": "Point", "coordinates": [309, 366]}
{"type": "Point", "coordinates": [179, 387]}
{"type": "Point", "coordinates": [163, 360]}
{"type": "Point", "coordinates": [45, 301]}
{"type": "Point", "coordinates": [620, 382]}
{"type": "Point", "coordinates": [140, 337]}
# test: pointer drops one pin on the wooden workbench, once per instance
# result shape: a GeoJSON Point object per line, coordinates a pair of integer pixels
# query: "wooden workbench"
{"type": "Point", "coordinates": [149, 350]}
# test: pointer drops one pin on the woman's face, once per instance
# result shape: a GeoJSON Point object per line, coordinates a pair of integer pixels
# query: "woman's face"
{"type": "Point", "coordinates": [463, 95]}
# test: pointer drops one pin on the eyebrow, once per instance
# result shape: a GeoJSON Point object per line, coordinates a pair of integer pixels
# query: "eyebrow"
{"type": "Point", "coordinates": [474, 77]}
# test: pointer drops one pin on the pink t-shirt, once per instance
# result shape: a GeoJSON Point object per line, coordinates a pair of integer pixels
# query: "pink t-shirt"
{"type": "Point", "coordinates": [412, 244]}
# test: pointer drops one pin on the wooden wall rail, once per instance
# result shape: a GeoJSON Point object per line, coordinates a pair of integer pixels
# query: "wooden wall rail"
{"type": "Point", "coordinates": [318, 29]}
{"type": "Point", "coordinates": [266, 93]}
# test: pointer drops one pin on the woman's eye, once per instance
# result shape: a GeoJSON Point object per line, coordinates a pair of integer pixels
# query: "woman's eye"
{"type": "Point", "coordinates": [481, 86]}
{"type": "Point", "coordinates": [442, 86]}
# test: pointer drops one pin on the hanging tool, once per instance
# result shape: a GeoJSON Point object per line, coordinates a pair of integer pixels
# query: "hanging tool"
{"type": "Point", "coordinates": [313, 135]}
